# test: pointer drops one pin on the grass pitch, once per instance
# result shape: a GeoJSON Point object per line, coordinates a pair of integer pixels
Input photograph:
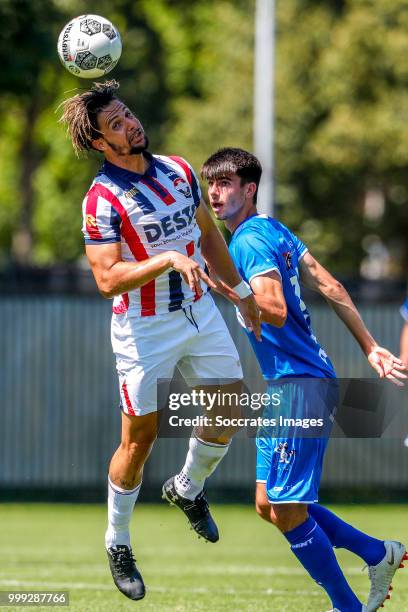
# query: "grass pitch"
{"type": "Point", "coordinates": [52, 547]}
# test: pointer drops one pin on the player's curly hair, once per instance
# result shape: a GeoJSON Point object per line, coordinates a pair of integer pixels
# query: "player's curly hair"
{"type": "Point", "coordinates": [81, 111]}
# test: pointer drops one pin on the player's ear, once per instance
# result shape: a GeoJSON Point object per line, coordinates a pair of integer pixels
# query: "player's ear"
{"type": "Point", "coordinates": [250, 190]}
{"type": "Point", "coordinates": [99, 144]}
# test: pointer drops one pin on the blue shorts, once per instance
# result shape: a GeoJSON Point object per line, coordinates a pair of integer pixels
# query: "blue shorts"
{"type": "Point", "coordinates": [289, 461]}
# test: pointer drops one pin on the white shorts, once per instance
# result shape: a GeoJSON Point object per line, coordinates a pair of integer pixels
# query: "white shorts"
{"type": "Point", "coordinates": [196, 339]}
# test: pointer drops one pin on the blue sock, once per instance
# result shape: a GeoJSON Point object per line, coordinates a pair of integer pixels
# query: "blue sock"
{"type": "Point", "coordinates": [343, 535]}
{"type": "Point", "coordinates": [313, 548]}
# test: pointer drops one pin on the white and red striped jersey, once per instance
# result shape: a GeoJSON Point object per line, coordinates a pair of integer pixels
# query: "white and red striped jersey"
{"type": "Point", "coordinates": [148, 214]}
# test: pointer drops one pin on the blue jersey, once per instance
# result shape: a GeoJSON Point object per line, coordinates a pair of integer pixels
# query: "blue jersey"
{"type": "Point", "coordinates": [259, 245]}
{"type": "Point", "coordinates": [404, 310]}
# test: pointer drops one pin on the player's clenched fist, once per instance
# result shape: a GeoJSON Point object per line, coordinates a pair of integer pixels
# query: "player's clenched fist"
{"type": "Point", "coordinates": [190, 271]}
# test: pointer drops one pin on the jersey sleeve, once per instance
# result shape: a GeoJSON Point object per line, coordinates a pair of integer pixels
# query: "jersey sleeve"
{"type": "Point", "coordinates": [301, 248]}
{"type": "Point", "coordinates": [404, 310]}
{"type": "Point", "coordinates": [101, 223]}
{"type": "Point", "coordinates": [255, 255]}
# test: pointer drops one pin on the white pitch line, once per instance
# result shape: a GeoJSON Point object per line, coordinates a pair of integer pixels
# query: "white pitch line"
{"type": "Point", "coordinates": [156, 589]}
{"type": "Point", "coordinates": [231, 570]}
{"type": "Point", "coordinates": [55, 585]}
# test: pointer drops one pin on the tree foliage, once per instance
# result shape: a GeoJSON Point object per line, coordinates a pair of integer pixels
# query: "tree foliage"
{"type": "Point", "coordinates": [342, 132]}
{"type": "Point", "coordinates": [187, 71]}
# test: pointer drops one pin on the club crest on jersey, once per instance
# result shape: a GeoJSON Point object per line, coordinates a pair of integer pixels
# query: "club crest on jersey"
{"type": "Point", "coordinates": [285, 455]}
{"type": "Point", "coordinates": [288, 259]}
{"type": "Point", "coordinates": [90, 221]}
{"type": "Point", "coordinates": [182, 187]}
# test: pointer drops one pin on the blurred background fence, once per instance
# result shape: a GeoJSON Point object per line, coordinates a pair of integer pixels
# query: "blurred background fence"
{"type": "Point", "coordinates": [340, 181]}
{"type": "Point", "coordinates": [60, 420]}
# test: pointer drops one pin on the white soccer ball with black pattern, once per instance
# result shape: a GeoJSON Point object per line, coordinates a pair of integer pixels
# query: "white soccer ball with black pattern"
{"type": "Point", "coordinates": [89, 46]}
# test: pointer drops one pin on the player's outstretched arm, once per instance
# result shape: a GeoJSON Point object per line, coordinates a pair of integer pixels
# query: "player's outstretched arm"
{"type": "Point", "coordinates": [216, 254]}
{"type": "Point", "coordinates": [114, 276]}
{"type": "Point", "coordinates": [316, 277]}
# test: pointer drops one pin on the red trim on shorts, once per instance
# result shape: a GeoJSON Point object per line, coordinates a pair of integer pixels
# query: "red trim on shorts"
{"type": "Point", "coordinates": [127, 400]}
{"type": "Point", "coordinates": [148, 291]}
{"type": "Point", "coordinates": [123, 306]}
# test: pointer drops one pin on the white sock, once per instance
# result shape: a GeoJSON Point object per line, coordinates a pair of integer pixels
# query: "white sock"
{"type": "Point", "coordinates": [120, 507]}
{"type": "Point", "coordinates": [201, 461]}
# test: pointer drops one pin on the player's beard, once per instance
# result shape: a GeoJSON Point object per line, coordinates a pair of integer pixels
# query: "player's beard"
{"type": "Point", "coordinates": [140, 148]}
{"type": "Point", "coordinates": [131, 150]}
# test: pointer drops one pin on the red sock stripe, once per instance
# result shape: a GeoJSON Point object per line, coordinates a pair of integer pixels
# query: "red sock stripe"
{"type": "Point", "coordinates": [127, 400]}
{"type": "Point", "coordinates": [148, 291]}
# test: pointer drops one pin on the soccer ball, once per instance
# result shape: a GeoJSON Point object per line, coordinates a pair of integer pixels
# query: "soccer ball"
{"type": "Point", "coordinates": [89, 46]}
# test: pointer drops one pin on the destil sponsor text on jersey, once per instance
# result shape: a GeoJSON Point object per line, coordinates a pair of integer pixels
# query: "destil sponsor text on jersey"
{"type": "Point", "coordinates": [169, 224]}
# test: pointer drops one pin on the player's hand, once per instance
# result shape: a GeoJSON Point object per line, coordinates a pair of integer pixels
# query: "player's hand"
{"type": "Point", "coordinates": [190, 271]}
{"type": "Point", "coordinates": [251, 315]}
{"type": "Point", "coordinates": [387, 365]}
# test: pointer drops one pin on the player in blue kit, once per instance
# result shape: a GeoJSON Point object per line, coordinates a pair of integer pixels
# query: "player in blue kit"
{"type": "Point", "coordinates": [275, 263]}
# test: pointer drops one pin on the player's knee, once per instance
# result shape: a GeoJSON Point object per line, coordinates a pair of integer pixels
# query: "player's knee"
{"type": "Point", "coordinates": [138, 432]}
{"type": "Point", "coordinates": [263, 510]}
{"type": "Point", "coordinates": [139, 448]}
{"type": "Point", "coordinates": [288, 516]}
{"type": "Point", "coordinates": [139, 436]}
{"type": "Point", "coordinates": [275, 517]}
